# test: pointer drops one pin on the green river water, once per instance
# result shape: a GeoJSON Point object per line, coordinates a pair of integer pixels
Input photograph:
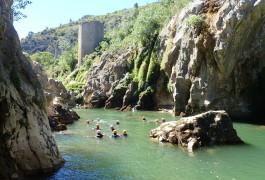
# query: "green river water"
{"type": "Point", "coordinates": [138, 157]}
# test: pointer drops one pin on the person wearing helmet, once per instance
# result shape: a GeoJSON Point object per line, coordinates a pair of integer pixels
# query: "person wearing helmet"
{"type": "Point", "coordinates": [157, 121]}
{"type": "Point", "coordinates": [97, 127]}
{"type": "Point", "coordinates": [115, 135]}
{"type": "Point", "coordinates": [163, 120]}
{"type": "Point", "coordinates": [117, 122]}
{"type": "Point", "coordinates": [112, 128]}
{"type": "Point", "coordinates": [99, 134]}
{"type": "Point", "coordinates": [124, 133]}
{"type": "Point", "coordinates": [144, 118]}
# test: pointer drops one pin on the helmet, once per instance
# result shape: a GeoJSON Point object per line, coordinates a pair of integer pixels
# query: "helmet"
{"type": "Point", "coordinates": [157, 120]}
{"type": "Point", "coordinates": [98, 131]}
{"type": "Point", "coordinates": [97, 125]}
{"type": "Point", "coordinates": [124, 131]}
{"type": "Point", "coordinates": [114, 131]}
{"type": "Point", "coordinates": [111, 125]}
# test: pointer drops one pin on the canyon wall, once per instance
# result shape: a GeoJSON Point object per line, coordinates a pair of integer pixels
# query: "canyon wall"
{"type": "Point", "coordinates": [209, 57]}
{"type": "Point", "coordinates": [26, 142]}
{"type": "Point", "coordinates": [217, 63]}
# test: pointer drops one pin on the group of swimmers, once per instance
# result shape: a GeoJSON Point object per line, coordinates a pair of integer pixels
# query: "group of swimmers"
{"type": "Point", "coordinates": [113, 130]}
{"type": "Point", "coordinates": [157, 121]}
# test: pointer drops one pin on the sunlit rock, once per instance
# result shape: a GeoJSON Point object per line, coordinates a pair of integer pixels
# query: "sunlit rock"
{"type": "Point", "coordinates": [207, 129]}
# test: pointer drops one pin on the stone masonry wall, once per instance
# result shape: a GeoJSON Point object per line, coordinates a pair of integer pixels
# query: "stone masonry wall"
{"type": "Point", "coordinates": [89, 36]}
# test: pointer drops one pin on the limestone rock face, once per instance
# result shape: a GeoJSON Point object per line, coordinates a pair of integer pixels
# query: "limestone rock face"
{"type": "Point", "coordinates": [61, 117]}
{"type": "Point", "coordinates": [48, 41]}
{"type": "Point", "coordinates": [103, 78]}
{"type": "Point", "coordinates": [26, 143]}
{"type": "Point", "coordinates": [128, 96]}
{"type": "Point", "coordinates": [29, 45]}
{"type": "Point", "coordinates": [217, 63]}
{"type": "Point", "coordinates": [116, 98]}
{"type": "Point", "coordinates": [163, 98]}
{"type": "Point", "coordinates": [58, 99]}
{"type": "Point", "coordinates": [207, 129]}
{"type": "Point", "coordinates": [54, 90]}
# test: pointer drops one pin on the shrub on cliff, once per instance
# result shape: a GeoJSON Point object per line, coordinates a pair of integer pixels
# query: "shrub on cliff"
{"type": "Point", "coordinates": [195, 21]}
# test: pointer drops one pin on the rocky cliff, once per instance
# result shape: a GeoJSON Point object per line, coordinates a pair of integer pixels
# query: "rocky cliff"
{"type": "Point", "coordinates": [217, 63]}
{"type": "Point", "coordinates": [58, 99]}
{"type": "Point", "coordinates": [104, 77]}
{"type": "Point", "coordinates": [26, 143]}
{"type": "Point", "coordinates": [209, 57]}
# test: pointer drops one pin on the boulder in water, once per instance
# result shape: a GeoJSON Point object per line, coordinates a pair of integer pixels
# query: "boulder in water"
{"type": "Point", "coordinates": [206, 129]}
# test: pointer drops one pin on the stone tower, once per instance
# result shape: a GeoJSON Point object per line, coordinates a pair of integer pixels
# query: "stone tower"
{"type": "Point", "coordinates": [89, 36]}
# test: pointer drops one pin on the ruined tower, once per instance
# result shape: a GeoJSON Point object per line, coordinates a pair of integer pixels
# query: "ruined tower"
{"type": "Point", "coordinates": [89, 36]}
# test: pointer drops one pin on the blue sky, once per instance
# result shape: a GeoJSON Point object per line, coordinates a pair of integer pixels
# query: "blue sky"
{"type": "Point", "coordinates": [52, 13]}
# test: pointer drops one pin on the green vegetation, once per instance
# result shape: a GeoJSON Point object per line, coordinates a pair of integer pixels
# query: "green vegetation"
{"type": "Point", "coordinates": [136, 29]}
{"type": "Point", "coordinates": [76, 86]}
{"type": "Point", "coordinates": [195, 21]}
{"type": "Point", "coordinates": [139, 29]}
{"type": "Point", "coordinates": [44, 58]}
{"type": "Point", "coordinates": [60, 66]}
{"type": "Point", "coordinates": [139, 26]}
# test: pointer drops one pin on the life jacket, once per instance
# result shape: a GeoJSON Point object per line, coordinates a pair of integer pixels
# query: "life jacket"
{"type": "Point", "coordinates": [99, 135]}
{"type": "Point", "coordinates": [115, 135]}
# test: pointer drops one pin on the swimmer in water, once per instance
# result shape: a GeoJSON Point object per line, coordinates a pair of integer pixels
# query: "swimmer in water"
{"type": "Point", "coordinates": [117, 122]}
{"type": "Point", "coordinates": [97, 127]}
{"type": "Point", "coordinates": [144, 118]}
{"type": "Point", "coordinates": [157, 121]}
{"type": "Point", "coordinates": [163, 120]}
{"type": "Point", "coordinates": [115, 135]}
{"type": "Point", "coordinates": [112, 128]}
{"type": "Point", "coordinates": [99, 135]}
{"type": "Point", "coordinates": [124, 133]}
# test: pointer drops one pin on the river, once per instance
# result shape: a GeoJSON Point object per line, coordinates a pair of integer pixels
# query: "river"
{"type": "Point", "coordinates": [138, 157]}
